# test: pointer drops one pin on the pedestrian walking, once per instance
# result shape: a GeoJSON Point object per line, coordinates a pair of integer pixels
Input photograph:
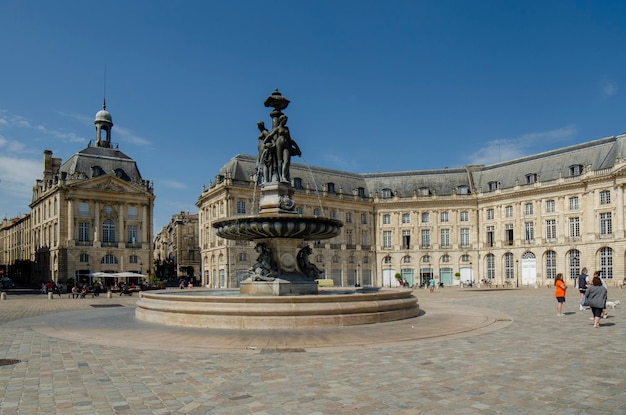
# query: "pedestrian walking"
{"type": "Point", "coordinates": [431, 284]}
{"type": "Point", "coordinates": [582, 287]}
{"type": "Point", "coordinates": [559, 292]}
{"type": "Point", "coordinates": [596, 298]}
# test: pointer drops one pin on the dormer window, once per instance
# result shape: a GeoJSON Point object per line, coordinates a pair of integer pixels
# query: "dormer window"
{"type": "Point", "coordinates": [361, 192]}
{"type": "Point", "coordinates": [424, 191]}
{"type": "Point", "coordinates": [531, 178]}
{"type": "Point", "coordinates": [330, 187]}
{"type": "Point", "coordinates": [493, 186]}
{"type": "Point", "coordinates": [576, 170]}
{"type": "Point", "coordinates": [97, 171]}
{"type": "Point", "coordinates": [120, 173]}
{"type": "Point", "coordinates": [462, 190]}
{"type": "Point", "coordinates": [386, 193]}
{"type": "Point", "coordinates": [297, 183]}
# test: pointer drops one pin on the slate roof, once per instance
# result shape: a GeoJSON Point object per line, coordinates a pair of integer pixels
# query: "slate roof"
{"type": "Point", "coordinates": [94, 161]}
{"type": "Point", "coordinates": [593, 155]}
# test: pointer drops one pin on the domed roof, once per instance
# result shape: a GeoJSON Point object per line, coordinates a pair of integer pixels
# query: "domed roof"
{"type": "Point", "coordinates": [103, 115]}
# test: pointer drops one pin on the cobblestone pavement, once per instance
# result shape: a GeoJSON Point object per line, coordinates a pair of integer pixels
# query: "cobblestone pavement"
{"type": "Point", "coordinates": [471, 351]}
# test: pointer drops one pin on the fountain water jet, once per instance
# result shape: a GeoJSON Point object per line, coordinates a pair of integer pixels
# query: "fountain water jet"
{"type": "Point", "coordinates": [281, 290]}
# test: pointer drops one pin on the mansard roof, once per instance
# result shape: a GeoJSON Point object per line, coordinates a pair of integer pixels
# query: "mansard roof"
{"type": "Point", "coordinates": [551, 165]}
{"type": "Point", "coordinates": [96, 161]}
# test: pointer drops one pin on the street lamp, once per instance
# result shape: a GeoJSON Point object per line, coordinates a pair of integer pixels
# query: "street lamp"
{"type": "Point", "coordinates": [358, 268]}
{"type": "Point", "coordinates": [517, 272]}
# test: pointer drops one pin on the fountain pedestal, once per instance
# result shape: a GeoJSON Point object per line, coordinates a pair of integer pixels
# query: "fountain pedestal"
{"type": "Point", "coordinates": [277, 287]}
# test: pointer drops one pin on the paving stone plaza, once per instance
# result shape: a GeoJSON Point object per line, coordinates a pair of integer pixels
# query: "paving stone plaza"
{"type": "Point", "coordinates": [471, 351]}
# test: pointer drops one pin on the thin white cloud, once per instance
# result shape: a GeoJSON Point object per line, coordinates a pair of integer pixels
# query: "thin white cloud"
{"type": "Point", "coordinates": [504, 149]}
{"type": "Point", "coordinates": [130, 137]}
{"type": "Point", "coordinates": [173, 184]}
{"type": "Point", "coordinates": [609, 88]}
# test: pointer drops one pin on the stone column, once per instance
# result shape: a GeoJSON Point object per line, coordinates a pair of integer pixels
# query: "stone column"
{"type": "Point", "coordinates": [120, 223]}
{"type": "Point", "coordinates": [70, 221]}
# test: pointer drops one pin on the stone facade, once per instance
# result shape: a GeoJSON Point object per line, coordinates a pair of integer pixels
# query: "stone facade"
{"type": "Point", "coordinates": [176, 248]}
{"type": "Point", "coordinates": [91, 214]}
{"type": "Point", "coordinates": [516, 223]}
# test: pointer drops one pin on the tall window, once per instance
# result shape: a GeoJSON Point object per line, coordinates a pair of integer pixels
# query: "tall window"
{"type": "Point", "coordinates": [465, 237]}
{"type": "Point", "coordinates": [491, 266]}
{"type": "Point", "coordinates": [464, 216]}
{"type": "Point", "coordinates": [529, 231]}
{"type": "Point", "coordinates": [406, 218]}
{"type": "Point", "coordinates": [316, 212]}
{"type": "Point", "coordinates": [574, 227]}
{"type": "Point", "coordinates": [83, 209]}
{"type": "Point", "coordinates": [445, 238]}
{"type": "Point", "coordinates": [386, 239]}
{"type": "Point", "coordinates": [83, 231]}
{"type": "Point", "coordinates": [490, 214]}
{"type": "Point", "coordinates": [84, 258]}
{"type": "Point", "coordinates": [490, 232]}
{"type": "Point", "coordinates": [363, 218]}
{"type": "Point", "coordinates": [606, 262]}
{"type": "Point", "coordinates": [425, 236]}
{"type": "Point", "coordinates": [508, 234]}
{"type": "Point", "coordinates": [550, 206]}
{"type": "Point", "coordinates": [365, 238]}
{"type": "Point", "coordinates": [108, 231]}
{"type": "Point", "coordinates": [508, 211]}
{"type": "Point", "coordinates": [241, 207]}
{"type": "Point", "coordinates": [444, 217]}
{"type": "Point", "coordinates": [551, 229]}
{"type": "Point", "coordinates": [132, 213]}
{"type": "Point", "coordinates": [133, 259]}
{"type": "Point", "coordinates": [386, 219]}
{"type": "Point", "coordinates": [348, 217]}
{"type": "Point", "coordinates": [605, 197]}
{"type": "Point", "coordinates": [606, 225]}
{"type": "Point", "coordinates": [574, 263]}
{"type": "Point", "coordinates": [425, 217]}
{"type": "Point", "coordinates": [349, 237]}
{"type": "Point", "coordinates": [573, 203]}
{"type": "Point", "coordinates": [133, 234]}
{"type": "Point", "coordinates": [509, 271]}
{"type": "Point", "coordinates": [528, 209]}
{"type": "Point", "coordinates": [406, 239]}
{"type": "Point", "coordinates": [550, 265]}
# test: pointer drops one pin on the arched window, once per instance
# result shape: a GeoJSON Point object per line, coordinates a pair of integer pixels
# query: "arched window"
{"type": "Point", "coordinates": [574, 263]}
{"type": "Point", "coordinates": [550, 265]}
{"type": "Point", "coordinates": [108, 259]}
{"type": "Point", "coordinates": [108, 231]}
{"type": "Point", "coordinates": [606, 262]}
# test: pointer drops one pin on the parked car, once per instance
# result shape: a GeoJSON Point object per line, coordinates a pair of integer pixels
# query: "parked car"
{"type": "Point", "coordinates": [6, 282]}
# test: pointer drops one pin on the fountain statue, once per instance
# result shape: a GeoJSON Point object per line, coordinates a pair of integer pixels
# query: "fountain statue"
{"type": "Point", "coordinates": [279, 233]}
{"type": "Point", "coordinates": [281, 291]}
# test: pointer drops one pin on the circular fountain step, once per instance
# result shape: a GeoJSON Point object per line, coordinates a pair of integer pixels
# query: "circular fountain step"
{"type": "Point", "coordinates": [227, 309]}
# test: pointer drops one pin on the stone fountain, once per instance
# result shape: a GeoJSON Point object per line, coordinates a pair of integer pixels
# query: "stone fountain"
{"type": "Point", "coordinates": [281, 290]}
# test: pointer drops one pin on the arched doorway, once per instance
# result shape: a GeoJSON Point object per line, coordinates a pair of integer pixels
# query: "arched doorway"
{"type": "Point", "coordinates": [529, 269]}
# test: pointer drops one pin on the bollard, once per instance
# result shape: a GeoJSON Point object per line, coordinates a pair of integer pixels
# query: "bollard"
{"type": "Point", "coordinates": [50, 296]}
{"type": "Point", "coordinates": [109, 294]}
{"type": "Point", "coordinates": [3, 296]}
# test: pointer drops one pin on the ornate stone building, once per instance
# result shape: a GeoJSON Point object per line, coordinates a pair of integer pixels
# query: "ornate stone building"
{"type": "Point", "coordinates": [91, 214]}
{"type": "Point", "coordinates": [514, 223]}
{"type": "Point", "coordinates": [177, 250]}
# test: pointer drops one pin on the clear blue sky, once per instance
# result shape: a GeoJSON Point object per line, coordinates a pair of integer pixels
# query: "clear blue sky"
{"type": "Point", "coordinates": [374, 85]}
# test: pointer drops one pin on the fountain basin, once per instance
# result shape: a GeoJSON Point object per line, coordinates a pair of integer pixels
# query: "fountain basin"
{"type": "Point", "coordinates": [331, 308]}
{"type": "Point", "coordinates": [251, 227]}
